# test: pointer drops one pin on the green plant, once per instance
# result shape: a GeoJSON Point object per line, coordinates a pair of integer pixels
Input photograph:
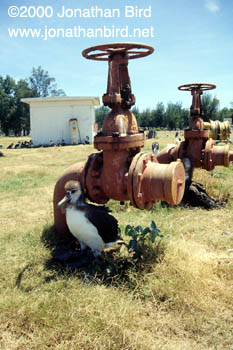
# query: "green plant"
{"type": "Point", "coordinates": [176, 295]}
{"type": "Point", "coordinates": [141, 238]}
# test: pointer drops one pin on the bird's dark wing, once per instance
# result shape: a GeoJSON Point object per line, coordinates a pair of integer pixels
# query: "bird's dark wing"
{"type": "Point", "coordinates": [83, 205]}
{"type": "Point", "coordinates": [105, 223]}
{"type": "Point", "coordinates": [99, 208]}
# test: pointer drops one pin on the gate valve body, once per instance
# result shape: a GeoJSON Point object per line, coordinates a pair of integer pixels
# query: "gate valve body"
{"type": "Point", "coordinates": [120, 171]}
{"type": "Point", "coordinates": [198, 147]}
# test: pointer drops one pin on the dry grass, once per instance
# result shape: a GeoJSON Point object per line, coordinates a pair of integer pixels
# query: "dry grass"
{"type": "Point", "coordinates": [181, 300]}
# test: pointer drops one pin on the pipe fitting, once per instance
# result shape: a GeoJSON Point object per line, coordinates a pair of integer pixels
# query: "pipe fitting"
{"type": "Point", "coordinates": [198, 147]}
{"type": "Point", "coordinates": [216, 155]}
{"type": "Point", "coordinates": [73, 172]}
{"type": "Point", "coordinates": [119, 171]}
{"type": "Point", "coordinates": [149, 181]}
{"type": "Point", "coordinates": [218, 130]}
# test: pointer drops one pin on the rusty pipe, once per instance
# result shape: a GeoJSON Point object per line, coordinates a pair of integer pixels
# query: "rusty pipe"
{"type": "Point", "coordinates": [202, 153]}
{"type": "Point", "coordinates": [231, 156]}
{"type": "Point", "coordinates": [140, 179]}
{"type": "Point", "coordinates": [72, 173]}
{"type": "Point", "coordinates": [149, 181]}
{"type": "Point", "coordinates": [120, 170]}
{"type": "Point", "coordinates": [139, 176]}
{"type": "Point", "coordinates": [198, 147]}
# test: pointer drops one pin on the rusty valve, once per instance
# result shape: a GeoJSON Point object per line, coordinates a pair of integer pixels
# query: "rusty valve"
{"type": "Point", "coordinates": [117, 55]}
{"type": "Point", "coordinates": [218, 130]}
{"type": "Point", "coordinates": [198, 147]}
{"type": "Point", "coordinates": [120, 170]}
{"type": "Point", "coordinates": [196, 109]}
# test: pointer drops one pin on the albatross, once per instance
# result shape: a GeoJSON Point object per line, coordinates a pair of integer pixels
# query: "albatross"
{"type": "Point", "coordinates": [92, 225]}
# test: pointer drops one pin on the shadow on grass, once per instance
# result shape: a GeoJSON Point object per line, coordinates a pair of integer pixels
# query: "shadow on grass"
{"type": "Point", "coordinates": [116, 267]}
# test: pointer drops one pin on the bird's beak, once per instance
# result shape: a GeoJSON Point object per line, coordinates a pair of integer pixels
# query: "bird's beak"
{"type": "Point", "coordinates": [62, 204]}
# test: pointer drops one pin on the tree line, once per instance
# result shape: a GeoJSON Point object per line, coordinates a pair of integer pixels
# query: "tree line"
{"type": "Point", "coordinates": [173, 116]}
{"type": "Point", "coordinates": [14, 115]}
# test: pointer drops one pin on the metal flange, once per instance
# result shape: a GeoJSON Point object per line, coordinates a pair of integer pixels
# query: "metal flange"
{"type": "Point", "coordinates": [118, 142]}
{"type": "Point", "coordinates": [216, 155]}
{"type": "Point", "coordinates": [149, 181]}
{"type": "Point", "coordinates": [196, 134]}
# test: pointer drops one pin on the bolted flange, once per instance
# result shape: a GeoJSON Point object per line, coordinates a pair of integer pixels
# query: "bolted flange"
{"type": "Point", "coordinates": [119, 171]}
{"type": "Point", "coordinates": [216, 155]}
{"type": "Point", "coordinates": [149, 181]}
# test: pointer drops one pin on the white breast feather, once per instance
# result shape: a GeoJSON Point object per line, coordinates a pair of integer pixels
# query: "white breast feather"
{"type": "Point", "coordinates": [83, 229]}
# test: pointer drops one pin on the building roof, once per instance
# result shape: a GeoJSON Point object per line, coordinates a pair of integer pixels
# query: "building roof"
{"type": "Point", "coordinates": [94, 100]}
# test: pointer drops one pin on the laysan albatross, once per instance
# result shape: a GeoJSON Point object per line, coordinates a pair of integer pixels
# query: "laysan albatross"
{"type": "Point", "coordinates": [92, 225]}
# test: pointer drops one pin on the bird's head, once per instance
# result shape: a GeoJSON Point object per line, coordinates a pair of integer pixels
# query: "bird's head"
{"type": "Point", "coordinates": [72, 196]}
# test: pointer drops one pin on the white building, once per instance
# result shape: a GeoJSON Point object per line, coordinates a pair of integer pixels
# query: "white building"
{"type": "Point", "coordinates": [70, 119]}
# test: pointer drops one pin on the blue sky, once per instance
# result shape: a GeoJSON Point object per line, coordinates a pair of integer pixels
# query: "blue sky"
{"type": "Point", "coordinates": [193, 42]}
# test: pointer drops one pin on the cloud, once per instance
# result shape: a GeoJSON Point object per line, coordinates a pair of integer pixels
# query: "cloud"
{"type": "Point", "coordinates": [212, 6]}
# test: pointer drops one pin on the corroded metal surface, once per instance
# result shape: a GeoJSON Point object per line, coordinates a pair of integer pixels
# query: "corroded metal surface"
{"type": "Point", "coordinates": [117, 142]}
{"type": "Point", "coordinates": [133, 50]}
{"type": "Point", "coordinates": [72, 173]}
{"type": "Point", "coordinates": [119, 170]}
{"type": "Point", "coordinates": [149, 181]}
{"type": "Point", "coordinates": [121, 121]}
{"type": "Point", "coordinates": [198, 146]}
{"type": "Point", "coordinates": [196, 109]}
{"type": "Point", "coordinates": [216, 155]}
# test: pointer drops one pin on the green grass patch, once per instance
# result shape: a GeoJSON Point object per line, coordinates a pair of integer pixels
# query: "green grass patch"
{"type": "Point", "coordinates": [174, 293]}
{"type": "Point", "coordinates": [23, 181]}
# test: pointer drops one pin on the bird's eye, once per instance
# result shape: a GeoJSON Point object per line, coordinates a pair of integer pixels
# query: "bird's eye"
{"type": "Point", "coordinates": [73, 191]}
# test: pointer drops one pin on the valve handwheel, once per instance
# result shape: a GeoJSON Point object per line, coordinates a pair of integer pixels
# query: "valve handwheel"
{"type": "Point", "coordinates": [133, 50]}
{"type": "Point", "coordinates": [196, 86]}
